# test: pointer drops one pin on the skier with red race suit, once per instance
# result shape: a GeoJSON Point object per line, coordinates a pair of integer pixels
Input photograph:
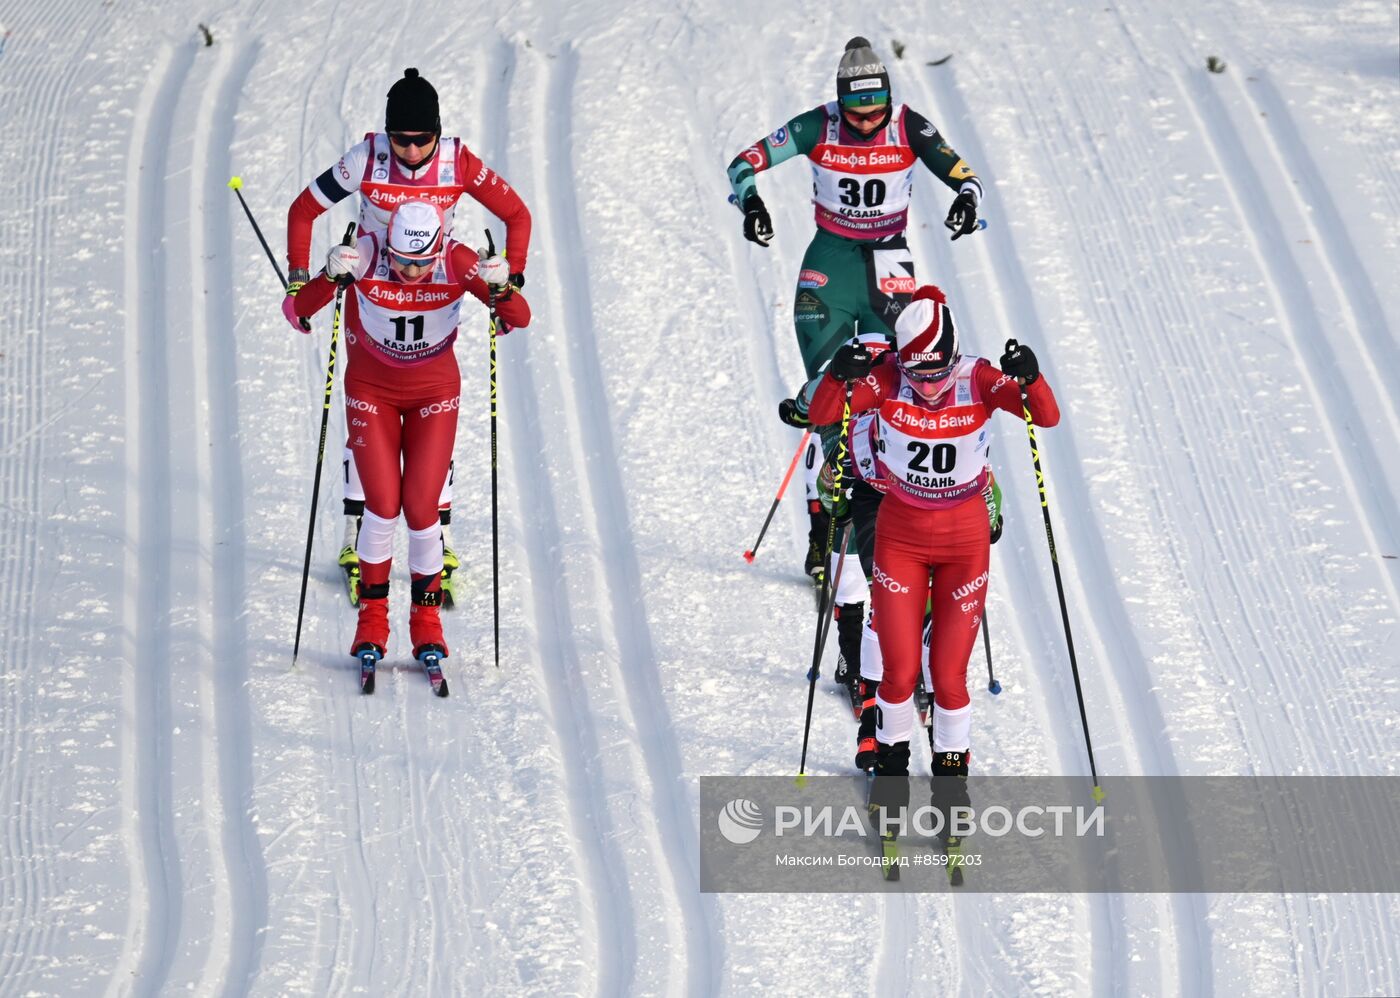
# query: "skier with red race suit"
{"type": "Point", "coordinates": [410, 160]}
{"type": "Point", "coordinates": [402, 387]}
{"type": "Point", "coordinates": [928, 445]}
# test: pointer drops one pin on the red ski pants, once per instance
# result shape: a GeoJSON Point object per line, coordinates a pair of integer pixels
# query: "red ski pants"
{"type": "Point", "coordinates": [402, 440]}
{"type": "Point", "coordinates": [937, 558]}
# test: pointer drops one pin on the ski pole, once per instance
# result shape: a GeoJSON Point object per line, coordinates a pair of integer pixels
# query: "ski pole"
{"type": "Point", "coordinates": [495, 522]}
{"type": "Point", "coordinates": [321, 447]}
{"type": "Point", "coordinates": [828, 587]}
{"type": "Point", "coordinates": [823, 628]}
{"type": "Point", "coordinates": [801, 445]}
{"type": "Point", "coordinates": [993, 687]}
{"type": "Point", "coordinates": [1059, 583]}
{"type": "Point", "coordinates": [236, 185]}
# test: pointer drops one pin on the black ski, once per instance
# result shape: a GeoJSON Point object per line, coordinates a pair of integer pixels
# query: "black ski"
{"type": "Point", "coordinates": [431, 657]}
{"type": "Point", "coordinates": [369, 658]}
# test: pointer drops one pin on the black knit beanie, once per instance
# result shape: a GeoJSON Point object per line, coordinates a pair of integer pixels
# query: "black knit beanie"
{"type": "Point", "coordinates": [413, 106]}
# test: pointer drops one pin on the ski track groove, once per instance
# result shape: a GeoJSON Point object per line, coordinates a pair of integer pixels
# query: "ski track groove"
{"type": "Point", "coordinates": [672, 840]}
{"type": "Point", "coordinates": [602, 870]}
{"type": "Point", "coordinates": [1370, 339]}
{"type": "Point", "coordinates": [1284, 273]}
{"type": "Point", "coordinates": [674, 836]}
{"type": "Point", "coordinates": [1181, 318]}
{"type": "Point", "coordinates": [1301, 322]}
{"type": "Point", "coordinates": [1110, 630]}
{"type": "Point", "coordinates": [356, 932]}
{"type": "Point", "coordinates": [423, 835]}
{"type": "Point", "coordinates": [1301, 614]}
{"type": "Point", "coordinates": [1291, 299]}
{"type": "Point", "coordinates": [241, 887]}
{"type": "Point", "coordinates": [1097, 909]}
{"type": "Point", "coordinates": [157, 882]}
{"type": "Point", "coordinates": [26, 873]}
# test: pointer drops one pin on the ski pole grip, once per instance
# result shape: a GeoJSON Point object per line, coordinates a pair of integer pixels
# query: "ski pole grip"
{"type": "Point", "coordinates": [349, 239]}
{"type": "Point", "coordinates": [490, 244]}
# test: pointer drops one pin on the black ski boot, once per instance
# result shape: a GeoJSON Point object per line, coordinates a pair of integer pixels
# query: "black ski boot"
{"type": "Point", "coordinates": [815, 565]}
{"type": "Point", "coordinates": [888, 804]}
{"type": "Point", "coordinates": [850, 621]}
{"type": "Point", "coordinates": [948, 796]}
{"type": "Point", "coordinates": [865, 736]}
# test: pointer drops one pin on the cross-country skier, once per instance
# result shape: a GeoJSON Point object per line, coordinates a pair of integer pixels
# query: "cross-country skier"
{"type": "Point", "coordinates": [409, 159]}
{"type": "Point", "coordinates": [863, 149]}
{"type": "Point", "coordinates": [928, 442]}
{"type": "Point", "coordinates": [401, 395]}
{"type": "Point", "coordinates": [860, 667]}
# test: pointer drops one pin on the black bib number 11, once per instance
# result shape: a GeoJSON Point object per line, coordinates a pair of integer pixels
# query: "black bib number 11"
{"type": "Point", "coordinates": [401, 324]}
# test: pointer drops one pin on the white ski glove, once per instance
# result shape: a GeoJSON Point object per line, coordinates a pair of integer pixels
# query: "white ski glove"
{"type": "Point", "coordinates": [342, 262]}
{"type": "Point", "coordinates": [493, 269]}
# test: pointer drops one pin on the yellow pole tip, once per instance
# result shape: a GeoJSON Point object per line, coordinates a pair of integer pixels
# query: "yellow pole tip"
{"type": "Point", "coordinates": [235, 182]}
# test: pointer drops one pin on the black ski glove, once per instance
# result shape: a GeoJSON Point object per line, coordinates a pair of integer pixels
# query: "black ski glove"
{"type": "Point", "coordinates": [518, 279]}
{"type": "Point", "coordinates": [962, 216]}
{"type": "Point", "coordinates": [1019, 362]}
{"type": "Point", "coordinates": [851, 363]}
{"type": "Point", "coordinates": [758, 227]}
{"type": "Point", "coordinates": [789, 413]}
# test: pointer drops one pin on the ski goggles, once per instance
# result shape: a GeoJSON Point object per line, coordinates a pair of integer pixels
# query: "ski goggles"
{"type": "Point", "coordinates": [410, 261]}
{"type": "Point", "coordinates": [419, 140]}
{"type": "Point", "coordinates": [927, 377]}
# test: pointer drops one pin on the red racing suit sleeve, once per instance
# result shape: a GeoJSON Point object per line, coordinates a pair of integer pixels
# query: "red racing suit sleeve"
{"type": "Point", "coordinates": [513, 309]}
{"type": "Point", "coordinates": [314, 296]}
{"type": "Point", "coordinates": [331, 187]}
{"type": "Point", "coordinates": [829, 400]}
{"type": "Point", "coordinates": [495, 195]}
{"type": "Point", "coordinates": [1002, 392]}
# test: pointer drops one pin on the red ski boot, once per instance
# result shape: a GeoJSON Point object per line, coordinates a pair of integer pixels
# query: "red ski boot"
{"type": "Point", "coordinates": [425, 628]}
{"type": "Point", "coordinates": [424, 624]}
{"type": "Point", "coordinates": [372, 629]}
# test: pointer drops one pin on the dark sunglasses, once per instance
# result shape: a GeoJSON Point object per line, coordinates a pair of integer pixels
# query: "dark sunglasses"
{"type": "Point", "coordinates": [860, 117]}
{"type": "Point", "coordinates": [421, 140]}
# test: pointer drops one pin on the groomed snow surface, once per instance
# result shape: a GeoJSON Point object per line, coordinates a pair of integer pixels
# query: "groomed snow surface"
{"type": "Point", "coordinates": [1205, 264]}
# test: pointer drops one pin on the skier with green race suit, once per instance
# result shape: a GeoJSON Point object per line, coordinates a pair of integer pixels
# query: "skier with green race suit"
{"type": "Point", "coordinates": [857, 272]}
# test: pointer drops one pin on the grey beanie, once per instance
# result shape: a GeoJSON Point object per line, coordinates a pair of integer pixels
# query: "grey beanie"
{"type": "Point", "coordinates": [860, 74]}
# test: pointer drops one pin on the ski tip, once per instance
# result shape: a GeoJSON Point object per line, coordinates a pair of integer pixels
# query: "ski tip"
{"type": "Point", "coordinates": [1098, 794]}
{"type": "Point", "coordinates": [748, 556]}
{"type": "Point", "coordinates": [994, 687]}
{"type": "Point", "coordinates": [234, 183]}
